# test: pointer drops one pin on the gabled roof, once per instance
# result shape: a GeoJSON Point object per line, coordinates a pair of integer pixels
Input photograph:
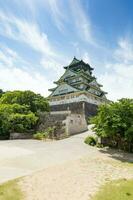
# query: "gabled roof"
{"type": "Point", "coordinates": [63, 89]}
{"type": "Point", "coordinates": [67, 72]}
{"type": "Point", "coordinates": [75, 61]}
{"type": "Point", "coordinates": [52, 89]}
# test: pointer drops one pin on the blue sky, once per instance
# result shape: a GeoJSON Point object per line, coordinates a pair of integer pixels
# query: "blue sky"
{"type": "Point", "coordinates": [39, 37]}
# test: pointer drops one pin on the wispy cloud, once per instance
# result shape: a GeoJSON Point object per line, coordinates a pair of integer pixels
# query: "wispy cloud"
{"type": "Point", "coordinates": [118, 78]}
{"type": "Point", "coordinates": [52, 64]}
{"type": "Point", "coordinates": [30, 34]}
{"type": "Point", "coordinates": [18, 79]}
{"type": "Point", "coordinates": [57, 14]}
{"type": "Point", "coordinates": [13, 77]}
{"type": "Point", "coordinates": [31, 5]}
{"type": "Point", "coordinates": [125, 50]}
{"type": "Point", "coordinates": [82, 22]}
{"type": "Point", "coordinates": [24, 31]}
{"type": "Point", "coordinates": [8, 57]}
{"type": "Point", "coordinates": [27, 33]}
{"type": "Point", "coordinates": [53, 49]}
{"type": "Point", "coordinates": [86, 57]}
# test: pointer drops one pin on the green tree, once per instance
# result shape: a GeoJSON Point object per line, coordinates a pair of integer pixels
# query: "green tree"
{"type": "Point", "coordinates": [4, 125]}
{"type": "Point", "coordinates": [1, 92]}
{"type": "Point", "coordinates": [35, 102]}
{"type": "Point", "coordinates": [115, 121]}
{"type": "Point", "coordinates": [19, 111]}
{"type": "Point", "coordinates": [13, 108]}
{"type": "Point", "coordinates": [22, 122]}
{"type": "Point", "coordinates": [15, 118]}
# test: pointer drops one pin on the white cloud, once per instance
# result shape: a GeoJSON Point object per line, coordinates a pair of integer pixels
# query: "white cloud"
{"type": "Point", "coordinates": [56, 12]}
{"type": "Point", "coordinates": [118, 78]}
{"type": "Point", "coordinates": [4, 60]}
{"type": "Point", "coordinates": [7, 56]}
{"type": "Point", "coordinates": [86, 58]}
{"type": "Point", "coordinates": [30, 34]}
{"type": "Point", "coordinates": [118, 83]}
{"type": "Point", "coordinates": [52, 6]}
{"type": "Point", "coordinates": [82, 21]}
{"type": "Point", "coordinates": [31, 5]}
{"type": "Point", "coordinates": [18, 79]}
{"type": "Point", "coordinates": [27, 32]}
{"type": "Point", "coordinates": [125, 50]}
{"type": "Point", "coordinates": [14, 78]}
{"type": "Point", "coordinates": [52, 64]}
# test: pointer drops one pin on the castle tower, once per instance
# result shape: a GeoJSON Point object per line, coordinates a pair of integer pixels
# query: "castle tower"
{"type": "Point", "coordinates": [77, 90]}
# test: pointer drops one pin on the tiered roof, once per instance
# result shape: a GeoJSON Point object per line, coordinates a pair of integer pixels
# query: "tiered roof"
{"type": "Point", "coordinates": [75, 62]}
{"type": "Point", "coordinates": [77, 77]}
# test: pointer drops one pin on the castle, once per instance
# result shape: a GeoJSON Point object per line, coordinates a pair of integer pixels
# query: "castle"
{"type": "Point", "coordinates": [76, 96]}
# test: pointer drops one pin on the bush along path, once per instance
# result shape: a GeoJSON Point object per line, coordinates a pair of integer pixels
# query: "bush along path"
{"type": "Point", "coordinates": [114, 124]}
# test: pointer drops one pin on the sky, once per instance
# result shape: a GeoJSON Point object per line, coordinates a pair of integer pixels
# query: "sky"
{"type": "Point", "coordinates": [39, 37]}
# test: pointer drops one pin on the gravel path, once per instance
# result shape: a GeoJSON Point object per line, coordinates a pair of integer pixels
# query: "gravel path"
{"type": "Point", "coordinates": [79, 179]}
{"type": "Point", "coordinates": [61, 170]}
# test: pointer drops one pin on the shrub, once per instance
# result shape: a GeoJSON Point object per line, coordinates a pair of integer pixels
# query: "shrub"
{"type": "Point", "coordinates": [99, 145]}
{"type": "Point", "coordinates": [114, 121]}
{"type": "Point", "coordinates": [90, 140]}
{"type": "Point", "coordinates": [22, 122]}
{"type": "Point", "coordinates": [15, 118]}
{"type": "Point", "coordinates": [4, 126]}
{"type": "Point", "coordinates": [48, 133]}
{"type": "Point", "coordinates": [38, 136]}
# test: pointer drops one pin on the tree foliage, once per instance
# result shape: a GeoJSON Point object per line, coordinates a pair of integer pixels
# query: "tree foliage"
{"type": "Point", "coordinates": [18, 111]}
{"type": "Point", "coordinates": [35, 102]}
{"type": "Point", "coordinates": [22, 122]}
{"type": "Point", "coordinates": [1, 92]}
{"type": "Point", "coordinates": [115, 121]}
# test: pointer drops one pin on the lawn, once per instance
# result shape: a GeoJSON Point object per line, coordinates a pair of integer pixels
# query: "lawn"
{"type": "Point", "coordinates": [116, 190]}
{"type": "Point", "coordinates": [10, 191]}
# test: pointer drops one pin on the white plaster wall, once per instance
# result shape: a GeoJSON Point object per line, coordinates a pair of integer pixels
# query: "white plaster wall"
{"type": "Point", "coordinates": [75, 98]}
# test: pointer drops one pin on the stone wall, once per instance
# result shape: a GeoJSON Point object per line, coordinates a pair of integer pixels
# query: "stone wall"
{"type": "Point", "coordinates": [14, 136]}
{"type": "Point", "coordinates": [90, 109]}
{"type": "Point", "coordinates": [75, 123]}
{"type": "Point", "coordinates": [65, 123]}
{"type": "Point", "coordinates": [68, 119]}
{"type": "Point", "coordinates": [55, 120]}
{"type": "Point", "coordinates": [77, 108]}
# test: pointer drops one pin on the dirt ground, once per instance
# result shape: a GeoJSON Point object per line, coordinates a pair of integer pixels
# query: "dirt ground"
{"type": "Point", "coordinates": [78, 179]}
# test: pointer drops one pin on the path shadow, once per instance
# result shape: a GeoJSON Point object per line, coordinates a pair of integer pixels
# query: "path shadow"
{"type": "Point", "coordinates": [118, 155]}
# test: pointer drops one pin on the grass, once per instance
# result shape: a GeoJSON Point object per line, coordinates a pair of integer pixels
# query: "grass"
{"type": "Point", "coordinates": [10, 191]}
{"type": "Point", "coordinates": [116, 190]}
